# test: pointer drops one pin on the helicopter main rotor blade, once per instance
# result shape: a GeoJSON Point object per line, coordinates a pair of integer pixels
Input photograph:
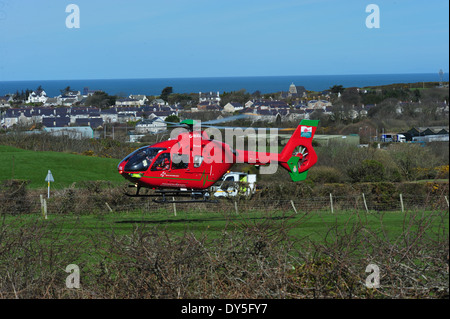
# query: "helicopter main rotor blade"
{"type": "Point", "coordinates": [230, 118]}
{"type": "Point", "coordinates": [208, 124]}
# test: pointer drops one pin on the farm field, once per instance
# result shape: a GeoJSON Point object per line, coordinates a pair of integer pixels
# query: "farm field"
{"type": "Point", "coordinates": [313, 226]}
{"type": "Point", "coordinates": [66, 168]}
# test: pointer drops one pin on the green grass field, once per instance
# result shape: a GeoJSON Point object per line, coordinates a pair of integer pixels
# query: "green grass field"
{"type": "Point", "coordinates": [66, 168]}
{"type": "Point", "coordinates": [314, 226]}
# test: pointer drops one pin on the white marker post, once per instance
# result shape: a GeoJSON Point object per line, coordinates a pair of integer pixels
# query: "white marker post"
{"type": "Point", "coordinates": [49, 179]}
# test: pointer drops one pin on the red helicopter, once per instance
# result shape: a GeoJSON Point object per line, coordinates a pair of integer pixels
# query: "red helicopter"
{"type": "Point", "coordinates": [186, 166]}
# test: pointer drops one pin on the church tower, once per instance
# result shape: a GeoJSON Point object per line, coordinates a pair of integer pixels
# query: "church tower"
{"type": "Point", "coordinates": [292, 89]}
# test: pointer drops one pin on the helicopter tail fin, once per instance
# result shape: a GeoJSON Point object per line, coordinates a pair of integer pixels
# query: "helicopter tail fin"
{"type": "Point", "coordinates": [298, 156]}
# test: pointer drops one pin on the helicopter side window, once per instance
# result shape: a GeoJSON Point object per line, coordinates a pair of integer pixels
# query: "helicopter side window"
{"type": "Point", "coordinates": [141, 159]}
{"type": "Point", "coordinates": [180, 161]}
{"type": "Point", "coordinates": [162, 163]}
{"type": "Point", "coordinates": [198, 160]}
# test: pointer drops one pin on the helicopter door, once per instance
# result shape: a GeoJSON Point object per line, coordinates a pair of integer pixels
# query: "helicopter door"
{"type": "Point", "coordinates": [180, 161]}
{"type": "Point", "coordinates": [162, 162]}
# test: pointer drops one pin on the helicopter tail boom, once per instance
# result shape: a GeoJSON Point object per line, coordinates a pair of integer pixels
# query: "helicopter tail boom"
{"type": "Point", "coordinates": [297, 157]}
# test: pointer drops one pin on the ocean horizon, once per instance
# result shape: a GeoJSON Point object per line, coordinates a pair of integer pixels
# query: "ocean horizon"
{"type": "Point", "coordinates": [264, 84]}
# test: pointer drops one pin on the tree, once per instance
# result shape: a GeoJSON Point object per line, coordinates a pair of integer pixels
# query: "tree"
{"type": "Point", "coordinates": [65, 91]}
{"type": "Point", "coordinates": [173, 119]}
{"type": "Point", "coordinates": [101, 99]}
{"type": "Point", "coordinates": [337, 89]}
{"type": "Point", "coordinates": [166, 92]}
{"type": "Point", "coordinates": [183, 99]}
{"type": "Point", "coordinates": [350, 96]}
{"type": "Point", "coordinates": [240, 96]}
{"type": "Point", "coordinates": [417, 95]}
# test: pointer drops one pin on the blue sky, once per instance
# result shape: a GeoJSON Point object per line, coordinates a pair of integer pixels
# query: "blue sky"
{"type": "Point", "coordinates": [208, 38]}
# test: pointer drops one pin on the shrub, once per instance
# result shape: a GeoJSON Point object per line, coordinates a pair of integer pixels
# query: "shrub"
{"type": "Point", "coordinates": [367, 171]}
{"type": "Point", "coordinates": [326, 174]}
{"type": "Point", "coordinates": [13, 197]}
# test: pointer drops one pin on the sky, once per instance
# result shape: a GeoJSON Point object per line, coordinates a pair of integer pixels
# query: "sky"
{"type": "Point", "coordinates": [119, 39]}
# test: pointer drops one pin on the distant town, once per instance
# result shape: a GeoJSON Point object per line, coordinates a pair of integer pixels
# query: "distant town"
{"type": "Point", "coordinates": [35, 111]}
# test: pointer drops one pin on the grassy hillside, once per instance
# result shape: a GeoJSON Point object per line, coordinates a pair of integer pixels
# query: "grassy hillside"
{"type": "Point", "coordinates": [66, 168]}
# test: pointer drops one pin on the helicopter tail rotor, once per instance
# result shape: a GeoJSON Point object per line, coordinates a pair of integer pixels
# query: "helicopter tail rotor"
{"type": "Point", "coordinates": [298, 156]}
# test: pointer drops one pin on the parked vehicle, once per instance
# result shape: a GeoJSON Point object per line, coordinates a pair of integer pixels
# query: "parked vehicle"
{"type": "Point", "coordinates": [234, 184]}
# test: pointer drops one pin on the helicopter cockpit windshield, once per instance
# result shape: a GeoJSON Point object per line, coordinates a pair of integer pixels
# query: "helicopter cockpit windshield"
{"type": "Point", "coordinates": [141, 159]}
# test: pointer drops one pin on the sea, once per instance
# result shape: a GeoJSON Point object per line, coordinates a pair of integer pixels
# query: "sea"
{"type": "Point", "coordinates": [264, 84]}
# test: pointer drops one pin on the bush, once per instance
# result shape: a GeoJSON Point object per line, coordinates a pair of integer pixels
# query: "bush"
{"type": "Point", "coordinates": [325, 174]}
{"type": "Point", "coordinates": [13, 197]}
{"type": "Point", "coordinates": [367, 171]}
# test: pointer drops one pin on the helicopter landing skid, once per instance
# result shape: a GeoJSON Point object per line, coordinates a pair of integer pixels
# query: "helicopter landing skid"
{"type": "Point", "coordinates": [165, 195]}
{"type": "Point", "coordinates": [195, 197]}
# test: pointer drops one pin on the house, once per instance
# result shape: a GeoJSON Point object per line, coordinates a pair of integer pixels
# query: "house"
{"type": "Point", "coordinates": [10, 118]}
{"type": "Point", "coordinates": [127, 102]}
{"type": "Point", "coordinates": [300, 105]}
{"type": "Point", "coordinates": [38, 96]}
{"type": "Point", "coordinates": [67, 100]}
{"type": "Point", "coordinates": [52, 101]}
{"type": "Point", "coordinates": [151, 126]}
{"type": "Point", "coordinates": [142, 99]}
{"type": "Point", "coordinates": [87, 92]}
{"type": "Point", "coordinates": [109, 115]}
{"type": "Point", "coordinates": [318, 104]}
{"type": "Point", "coordinates": [129, 114]}
{"type": "Point", "coordinates": [161, 114]}
{"type": "Point", "coordinates": [4, 101]}
{"type": "Point", "coordinates": [39, 113]}
{"type": "Point", "coordinates": [233, 107]}
{"type": "Point", "coordinates": [55, 122]}
{"type": "Point", "coordinates": [77, 113]}
{"type": "Point", "coordinates": [269, 104]}
{"type": "Point", "coordinates": [92, 122]}
{"type": "Point", "coordinates": [211, 97]}
{"type": "Point", "coordinates": [213, 107]}
{"type": "Point", "coordinates": [158, 102]}
{"type": "Point", "coordinates": [17, 116]}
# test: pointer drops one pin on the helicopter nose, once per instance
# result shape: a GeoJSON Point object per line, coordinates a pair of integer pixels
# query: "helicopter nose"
{"type": "Point", "coordinates": [120, 167]}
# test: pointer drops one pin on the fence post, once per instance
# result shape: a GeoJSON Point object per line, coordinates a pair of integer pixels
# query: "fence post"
{"type": "Point", "coordinates": [109, 208]}
{"type": "Point", "coordinates": [331, 203]}
{"type": "Point", "coordinates": [174, 207]}
{"type": "Point", "coordinates": [292, 203]}
{"type": "Point", "coordinates": [236, 208]}
{"type": "Point", "coordinates": [365, 203]}
{"type": "Point", "coordinates": [43, 206]}
{"type": "Point", "coordinates": [401, 203]}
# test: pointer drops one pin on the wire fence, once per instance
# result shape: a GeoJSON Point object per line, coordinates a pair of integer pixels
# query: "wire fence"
{"type": "Point", "coordinates": [69, 202]}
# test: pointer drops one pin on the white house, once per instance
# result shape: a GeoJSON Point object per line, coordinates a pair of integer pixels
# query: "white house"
{"type": "Point", "coordinates": [152, 126]}
{"type": "Point", "coordinates": [142, 99]}
{"type": "Point", "coordinates": [209, 97]}
{"type": "Point", "coordinates": [4, 101]}
{"type": "Point", "coordinates": [233, 107]}
{"type": "Point", "coordinates": [37, 97]}
{"type": "Point", "coordinates": [318, 104]}
{"type": "Point", "coordinates": [127, 102]}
